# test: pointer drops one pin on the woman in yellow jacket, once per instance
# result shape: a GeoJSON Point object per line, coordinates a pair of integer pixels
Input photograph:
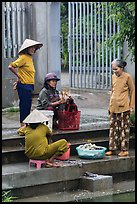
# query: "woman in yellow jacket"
{"type": "Point", "coordinates": [38, 142]}
{"type": "Point", "coordinates": [24, 69]}
{"type": "Point", "coordinates": [122, 101]}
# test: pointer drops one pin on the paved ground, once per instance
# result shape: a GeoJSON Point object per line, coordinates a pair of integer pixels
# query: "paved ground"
{"type": "Point", "coordinates": [92, 104]}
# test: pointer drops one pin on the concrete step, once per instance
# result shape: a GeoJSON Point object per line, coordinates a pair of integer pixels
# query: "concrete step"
{"type": "Point", "coordinates": [13, 146]}
{"type": "Point", "coordinates": [17, 154]}
{"type": "Point", "coordinates": [25, 181]}
{"type": "Point", "coordinates": [72, 137]}
{"type": "Point", "coordinates": [81, 195]}
{"type": "Point", "coordinates": [11, 138]}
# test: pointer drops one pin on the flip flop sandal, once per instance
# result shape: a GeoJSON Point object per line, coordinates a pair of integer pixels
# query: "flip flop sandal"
{"type": "Point", "coordinates": [48, 164]}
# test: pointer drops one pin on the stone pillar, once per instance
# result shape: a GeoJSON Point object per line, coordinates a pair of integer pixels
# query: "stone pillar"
{"type": "Point", "coordinates": [46, 28]}
{"type": "Point", "coordinates": [54, 57]}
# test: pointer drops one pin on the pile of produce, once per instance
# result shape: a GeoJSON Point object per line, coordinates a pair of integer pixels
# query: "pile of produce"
{"type": "Point", "coordinates": [91, 151]}
{"type": "Point", "coordinates": [90, 146]}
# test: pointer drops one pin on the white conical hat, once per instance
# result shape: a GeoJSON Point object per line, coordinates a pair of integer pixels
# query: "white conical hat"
{"type": "Point", "coordinates": [28, 43]}
{"type": "Point", "coordinates": [36, 117]}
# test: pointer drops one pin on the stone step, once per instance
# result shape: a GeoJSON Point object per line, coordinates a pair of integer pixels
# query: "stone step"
{"type": "Point", "coordinates": [13, 147]}
{"type": "Point", "coordinates": [17, 154]}
{"type": "Point", "coordinates": [82, 195]}
{"type": "Point", "coordinates": [25, 181]}
{"type": "Point", "coordinates": [8, 135]}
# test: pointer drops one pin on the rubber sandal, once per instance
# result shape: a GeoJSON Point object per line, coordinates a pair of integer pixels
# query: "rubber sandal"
{"type": "Point", "coordinates": [123, 154]}
{"type": "Point", "coordinates": [49, 164]}
{"type": "Point", "coordinates": [109, 153]}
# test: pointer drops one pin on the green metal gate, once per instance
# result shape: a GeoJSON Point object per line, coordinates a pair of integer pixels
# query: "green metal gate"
{"type": "Point", "coordinates": [89, 55]}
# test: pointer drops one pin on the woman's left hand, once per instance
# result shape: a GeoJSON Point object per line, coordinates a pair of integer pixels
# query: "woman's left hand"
{"type": "Point", "coordinates": [62, 100]}
{"type": "Point", "coordinates": [15, 85]}
{"type": "Point", "coordinates": [131, 110]}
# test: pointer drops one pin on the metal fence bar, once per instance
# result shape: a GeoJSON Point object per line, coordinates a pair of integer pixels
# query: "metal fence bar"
{"type": "Point", "coordinates": [84, 45]}
{"type": "Point", "coordinates": [114, 43]}
{"type": "Point", "coordinates": [77, 50]}
{"type": "Point", "coordinates": [3, 29]}
{"type": "Point", "coordinates": [99, 65]}
{"type": "Point", "coordinates": [73, 32]}
{"type": "Point", "coordinates": [14, 36]}
{"type": "Point", "coordinates": [69, 48]}
{"type": "Point", "coordinates": [106, 73]}
{"type": "Point", "coordinates": [91, 58]}
{"type": "Point", "coordinates": [95, 45]}
{"type": "Point", "coordinates": [80, 42]}
{"type": "Point", "coordinates": [103, 46]}
{"type": "Point", "coordinates": [19, 25]}
{"type": "Point", "coordinates": [24, 25]}
{"type": "Point", "coordinates": [8, 29]}
{"type": "Point", "coordinates": [87, 85]}
{"type": "Point", "coordinates": [119, 50]}
{"type": "Point", "coordinates": [110, 56]}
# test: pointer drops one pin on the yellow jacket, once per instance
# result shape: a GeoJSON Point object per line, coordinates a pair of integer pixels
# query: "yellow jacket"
{"type": "Point", "coordinates": [25, 67]}
{"type": "Point", "coordinates": [36, 142]}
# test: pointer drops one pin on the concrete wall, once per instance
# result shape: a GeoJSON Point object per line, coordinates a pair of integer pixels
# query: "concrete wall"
{"type": "Point", "coordinates": [46, 29]}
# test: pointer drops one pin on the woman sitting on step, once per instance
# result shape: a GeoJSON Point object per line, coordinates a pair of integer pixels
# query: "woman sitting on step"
{"type": "Point", "coordinates": [49, 98]}
{"type": "Point", "coordinates": [38, 142]}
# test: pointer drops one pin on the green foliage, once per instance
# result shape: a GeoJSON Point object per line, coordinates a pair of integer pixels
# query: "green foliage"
{"type": "Point", "coordinates": [64, 32]}
{"type": "Point", "coordinates": [6, 196]}
{"type": "Point", "coordinates": [12, 109]}
{"type": "Point", "coordinates": [132, 118]}
{"type": "Point", "coordinates": [124, 15]}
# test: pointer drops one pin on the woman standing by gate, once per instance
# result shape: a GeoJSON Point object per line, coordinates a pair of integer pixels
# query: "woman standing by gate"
{"type": "Point", "coordinates": [25, 76]}
{"type": "Point", "coordinates": [121, 106]}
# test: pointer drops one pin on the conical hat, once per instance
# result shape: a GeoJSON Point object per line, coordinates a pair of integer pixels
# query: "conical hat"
{"type": "Point", "coordinates": [35, 117]}
{"type": "Point", "coordinates": [28, 43]}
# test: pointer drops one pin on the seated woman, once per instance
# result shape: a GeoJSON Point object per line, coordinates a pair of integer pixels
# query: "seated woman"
{"type": "Point", "coordinates": [49, 98]}
{"type": "Point", "coordinates": [38, 142]}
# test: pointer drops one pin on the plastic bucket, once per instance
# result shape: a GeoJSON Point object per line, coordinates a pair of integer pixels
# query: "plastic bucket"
{"type": "Point", "coordinates": [66, 155]}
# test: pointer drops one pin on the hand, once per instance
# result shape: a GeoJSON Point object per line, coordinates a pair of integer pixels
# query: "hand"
{"type": "Point", "coordinates": [15, 85]}
{"type": "Point", "coordinates": [18, 79]}
{"type": "Point", "coordinates": [131, 110]}
{"type": "Point", "coordinates": [62, 100]}
{"type": "Point", "coordinates": [49, 135]}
